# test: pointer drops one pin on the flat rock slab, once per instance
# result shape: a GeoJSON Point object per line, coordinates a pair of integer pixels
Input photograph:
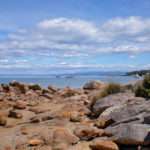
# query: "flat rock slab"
{"type": "Point", "coordinates": [130, 134]}
{"type": "Point", "coordinates": [112, 100]}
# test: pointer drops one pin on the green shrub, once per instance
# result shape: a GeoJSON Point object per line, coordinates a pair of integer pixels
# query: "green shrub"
{"type": "Point", "coordinates": [143, 90]}
{"type": "Point", "coordinates": [146, 81]}
{"type": "Point", "coordinates": [112, 88]}
{"type": "Point", "coordinates": [35, 87]}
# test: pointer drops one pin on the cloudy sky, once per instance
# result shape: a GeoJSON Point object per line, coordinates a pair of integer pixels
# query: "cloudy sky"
{"type": "Point", "coordinates": [43, 35]}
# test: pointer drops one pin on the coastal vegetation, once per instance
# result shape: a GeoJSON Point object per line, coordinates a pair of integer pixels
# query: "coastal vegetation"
{"type": "Point", "coordinates": [143, 90]}
{"type": "Point", "coordinates": [111, 88]}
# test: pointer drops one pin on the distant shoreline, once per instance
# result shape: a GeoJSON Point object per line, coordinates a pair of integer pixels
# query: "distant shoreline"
{"type": "Point", "coordinates": [138, 73]}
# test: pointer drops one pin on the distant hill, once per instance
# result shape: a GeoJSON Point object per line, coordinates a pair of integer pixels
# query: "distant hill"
{"type": "Point", "coordinates": [139, 72]}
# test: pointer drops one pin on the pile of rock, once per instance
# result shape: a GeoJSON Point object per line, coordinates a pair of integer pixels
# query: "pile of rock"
{"type": "Point", "coordinates": [32, 117]}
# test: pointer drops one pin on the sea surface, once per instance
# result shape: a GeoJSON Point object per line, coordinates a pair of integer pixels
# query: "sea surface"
{"type": "Point", "coordinates": [75, 81]}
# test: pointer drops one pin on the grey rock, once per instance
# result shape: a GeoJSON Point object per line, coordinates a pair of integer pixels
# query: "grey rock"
{"type": "Point", "coordinates": [130, 134]}
{"type": "Point", "coordinates": [112, 100]}
{"type": "Point", "coordinates": [134, 111]}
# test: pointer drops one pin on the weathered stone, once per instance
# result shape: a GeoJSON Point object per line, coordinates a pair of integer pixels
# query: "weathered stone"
{"type": "Point", "coordinates": [40, 109]}
{"type": "Point", "coordinates": [88, 133]}
{"type": "Point", "coordinates": [52, 89]}
{"type": "Point", "coordinates": [5, 87]}
{"type": "Point", "coordinates": [21, 87]}
{"type": "Point", "coordinates": [130, 134]}
{"type": "Point", "coordinates": [133, 111]}
{"type": "Point", "coordinates": [103, 122]}
{"type": "Point", "coordinates": [35, 142]}
{"type": "Point", "coordinates": [15, 114]}
{"type": "Point", "coordinates": [68, 92]}
{"type": "Point", "coordinates": [63, 136]}
{"type": "Point", "coordinates": [20, 105]}
{"type": "Point", "coordinates": [3, 120]}
{"type": "Point", "coordinates": [104, 145]}
{"type": "Point", "coordinates": [112, 100]}
{"type": "Point", "coordinates": [83, 145]}
{"type": "Point", "coordinates": [93, 85]}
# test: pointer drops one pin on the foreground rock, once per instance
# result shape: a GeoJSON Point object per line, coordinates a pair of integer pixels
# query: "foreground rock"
{"type": "Point", "coordinates": [32, 117]}
{"type": "Point", "coordinates": [133, 111]}
{"type": "Point", "coordinates": [104, 145]}
{"type": "Point", "coordinates": [112, 100]}
{"type": "Point", "coordinates": [130, 134]}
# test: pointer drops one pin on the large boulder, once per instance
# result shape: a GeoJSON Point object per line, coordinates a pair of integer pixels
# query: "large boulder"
{"type": "Point", "coordinates": [91, 85]}
{"type": "Point", "coordinates": [137, 110]}
{"type": "Point", "coordinates": [112, 100]}
{"type": "Point", "coordinates": [130, 134]}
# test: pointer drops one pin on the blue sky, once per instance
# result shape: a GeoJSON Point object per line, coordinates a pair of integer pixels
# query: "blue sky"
{"type": "Point", "coordinates": [43, 35]}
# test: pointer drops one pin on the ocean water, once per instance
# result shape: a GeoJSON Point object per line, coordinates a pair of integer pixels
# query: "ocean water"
{"type": "Point", "coordinates": [75, 81]}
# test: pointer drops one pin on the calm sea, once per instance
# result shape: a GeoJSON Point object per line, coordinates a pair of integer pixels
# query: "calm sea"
{"type": "Point", "coordinates": [65, 80]}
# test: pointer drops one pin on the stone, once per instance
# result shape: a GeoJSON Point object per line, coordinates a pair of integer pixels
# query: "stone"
{"type": "Point", "coordinates": [88, 133]}
{"type": "Point", "coordinates": [35, 142]}
{"type": "Point", "coordinates": [134, 111]}
{"type": "Point", "coordinates": [103, 122]}
{"type": "Point", "coordinates": [93, 85]}
{"type": "Point", "coordinates": [52, 89]}
{"type": "Point", "coordinates": [146, 119]}
{"type": "Point", "coordinates": [20, 105]}
{"type": "Point", "coordinates": [5, 87]}
{"type": "Point", "coordinates": [83, 145]}
{"type": "Point", "coordinates": [40, 108]}
{"type": "Point", "coordinates": [63, 136]}
{"type": "Point", "coordinates": [15, 114]}
{"type": "Point", "coordinates": [3, 120]}
{"type": "Point", "coordinates": [47, 95]}
{"type": "Point", "coordinates": [104, 145]}
{"type": "Point", "coordinates": [130, 134]}
{"type": "Point", "coordinates": [75, 117]}
{"type": "Point", "coordinates": [41, 117]}
{"type": "Point", "coordinates": [21, 87]}
{"type": "Point", "coordinates": [112, 100]}
{"type": "Point", "coordinates": [69, 92]}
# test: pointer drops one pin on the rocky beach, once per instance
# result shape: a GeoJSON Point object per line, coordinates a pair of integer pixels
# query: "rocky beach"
{"type": "Point", "coordinates": [97, 116]}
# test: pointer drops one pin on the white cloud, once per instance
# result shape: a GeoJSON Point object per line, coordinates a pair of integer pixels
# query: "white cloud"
{"type": "Point", "coordinates": [67, 25]}
{"type": "Point", "coordinates": [66, 38]}
{"type": "Point", "coordinates": [130, 26]}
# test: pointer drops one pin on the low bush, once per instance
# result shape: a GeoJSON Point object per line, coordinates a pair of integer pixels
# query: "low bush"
{"type": "Point", "coordinates": [143, 90]}
{"type": "Point", "coordinates": [112, 88]}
